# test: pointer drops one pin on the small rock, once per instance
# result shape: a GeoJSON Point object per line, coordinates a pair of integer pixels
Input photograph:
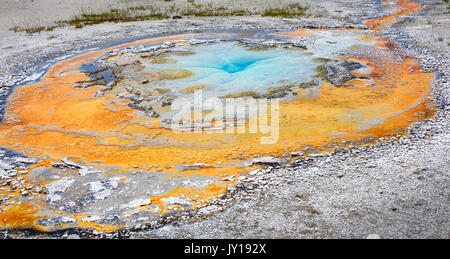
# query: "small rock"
{"type": "Point", "coordinates": [267, 161]}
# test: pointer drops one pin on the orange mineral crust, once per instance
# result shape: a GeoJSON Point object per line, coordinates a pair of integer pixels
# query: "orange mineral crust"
{"type": "Point", "coordinates": [54, 119]}
{"type": "Point", "coordinates": [402, 7]}
{"type": "Point", "coordinates": [19, 216]}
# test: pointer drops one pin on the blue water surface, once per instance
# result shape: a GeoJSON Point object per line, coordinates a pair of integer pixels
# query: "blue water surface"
{"type": "Point", "coordinates": [229, 68]}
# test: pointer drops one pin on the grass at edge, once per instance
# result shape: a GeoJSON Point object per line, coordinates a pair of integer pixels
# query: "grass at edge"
{"type": "Point", "coordinates": [143, 13]}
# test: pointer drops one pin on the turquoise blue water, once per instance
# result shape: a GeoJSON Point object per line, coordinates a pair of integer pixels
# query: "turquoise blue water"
{"type": "Point", "coordinates": [229, 68]}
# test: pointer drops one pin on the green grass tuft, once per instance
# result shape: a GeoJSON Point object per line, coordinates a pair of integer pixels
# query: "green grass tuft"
{"type": "Point", "coordinates": [114, 15]}
{"type": "Point", "coordinates": [89, 16]}
{"type": "Point", "coordinates": [32, 30]}
{"type": "Point", "coordinates": [293, 10]}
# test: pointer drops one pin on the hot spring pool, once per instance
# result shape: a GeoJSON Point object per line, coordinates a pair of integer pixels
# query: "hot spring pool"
{"type": "Point", "coordinates": [94, 123]}
{"type": "Point", "coordinates": [230, 68]}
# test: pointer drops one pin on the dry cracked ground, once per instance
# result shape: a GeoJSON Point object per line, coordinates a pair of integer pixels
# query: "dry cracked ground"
{"type": "Point", "coordinates": [90, 149]}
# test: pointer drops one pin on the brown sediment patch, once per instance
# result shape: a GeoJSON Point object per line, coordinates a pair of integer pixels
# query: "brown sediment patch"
{"type": "Point", "coordinates": [162, 61]}
{"type": "Point", "coordinates": [272, 90]}
{"type": "Point", "coordinates": [260, 48]}
{"type": "Point", "coordinates": [241, 95]}
{"type": "Point", "coordinates": [174, 74]}
{"type": "Point", "coordinates": [321, 60]}
{"type": "Point", "coordinates": [389, 45]}
{"type": "Point", "coordinates": [181, 53]}
{"type": "Point", "coordinates": [161, 90]}
{"type": "Point", "coordinates": [192, 89]}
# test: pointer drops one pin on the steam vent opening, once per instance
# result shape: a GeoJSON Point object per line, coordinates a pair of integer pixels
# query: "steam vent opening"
{"type": "Point", "coordinates": [121, 136]}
